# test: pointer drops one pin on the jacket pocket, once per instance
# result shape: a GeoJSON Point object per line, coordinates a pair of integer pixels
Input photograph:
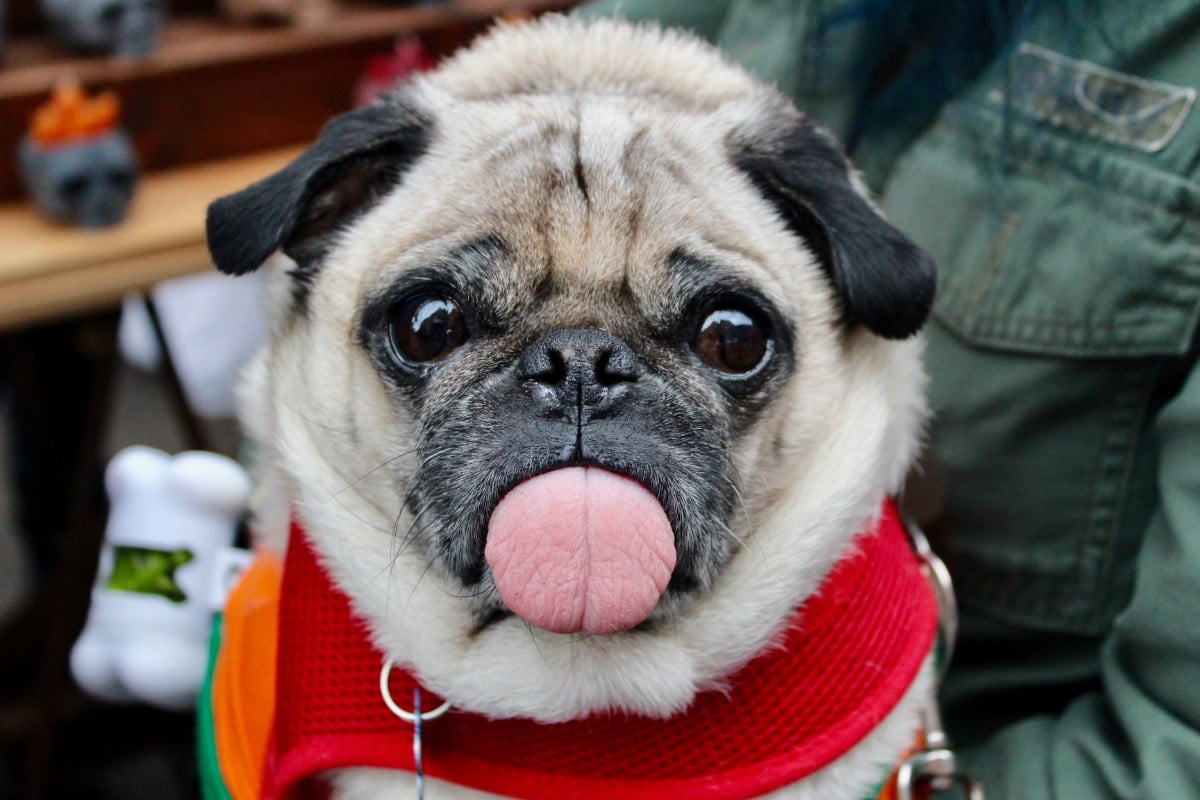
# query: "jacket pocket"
{"type": "Point", "coordinates": [1051, 244]}
{"type": "Point", "coordinates": [1069, 285]}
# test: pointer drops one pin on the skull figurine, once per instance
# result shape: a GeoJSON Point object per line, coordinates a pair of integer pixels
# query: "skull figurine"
{"type": "Point", "coordinates": [88, 183]}
{"type": "Point", "coordinates": [110, 27]}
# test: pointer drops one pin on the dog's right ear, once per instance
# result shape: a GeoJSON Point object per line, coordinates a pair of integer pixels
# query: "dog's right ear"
{"type": "Point", "coordinates": [884, 281]}
{"type": "Point", "coordinates": [358, 157]}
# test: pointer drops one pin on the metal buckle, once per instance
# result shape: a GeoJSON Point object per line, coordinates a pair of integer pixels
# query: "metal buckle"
{"type": "Point", "coordinates": [937, 770]}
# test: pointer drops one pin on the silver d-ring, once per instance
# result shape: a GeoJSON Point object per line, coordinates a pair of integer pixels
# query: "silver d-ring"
{"type": "Point", "coordinates": [407, 716]}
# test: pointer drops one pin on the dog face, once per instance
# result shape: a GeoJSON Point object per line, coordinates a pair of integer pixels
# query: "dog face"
{"type": "Point", "coordinates": [514, 368]}
{"type": "Point", "coordinates": [585, 332]}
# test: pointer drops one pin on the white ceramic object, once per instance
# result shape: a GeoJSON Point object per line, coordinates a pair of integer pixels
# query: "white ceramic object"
{"type": "Point", "coordinates": [171, 524]}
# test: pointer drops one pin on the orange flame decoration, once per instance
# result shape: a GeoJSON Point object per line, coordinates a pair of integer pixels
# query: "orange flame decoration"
{"type": "Point", "coordinates": [71, 115]}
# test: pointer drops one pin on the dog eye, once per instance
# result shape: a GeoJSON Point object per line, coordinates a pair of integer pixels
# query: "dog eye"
{"type": "Point", "coordinates": [732, 342]}
{"type": "Point", "coordinates": [426, 328]}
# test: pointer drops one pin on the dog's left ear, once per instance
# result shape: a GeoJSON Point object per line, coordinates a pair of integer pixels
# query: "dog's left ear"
{"type": "Point", "coordinates": [883, 280]}
{"type": "Point", "coordinates": [357, 158]}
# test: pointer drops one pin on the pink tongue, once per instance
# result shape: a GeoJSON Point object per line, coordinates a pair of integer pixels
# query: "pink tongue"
{"type": "Point", "coordinates": [580, 550]}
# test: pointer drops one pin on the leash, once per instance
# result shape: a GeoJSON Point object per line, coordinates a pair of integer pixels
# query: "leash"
{"type": "Point", "coordinates": [414, 718]}
{"type": "Point", "coordinates": [935, 768]}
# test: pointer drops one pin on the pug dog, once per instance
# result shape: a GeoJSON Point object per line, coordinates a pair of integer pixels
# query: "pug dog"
{"type": "Point", "coordinates": [589, 359]}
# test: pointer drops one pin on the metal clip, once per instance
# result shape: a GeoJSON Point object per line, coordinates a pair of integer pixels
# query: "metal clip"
{"type": "Point", "coordinates": [935, 767]}
{"type": "Point", "coordinates": [935, 571]}
{"type": "Point", "coordinates": [937, 770]}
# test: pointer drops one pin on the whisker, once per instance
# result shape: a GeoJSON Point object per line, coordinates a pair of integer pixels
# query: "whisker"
{"type": "Point", "coordinates": [729, 531]}
{"type": "Point", "coordinates": [735, 483]}
{"type": "Point", "coordinates": [416, 585]}
{"type": "Point", "coordinates": [372, 471]}
{"type": "Point", "coordinates": [353, 513]}
{"type": "Point", "coordinates": [465, 595]}
{"type": "Point", "coordinates": [533, 637]}
{"type": "Point", "coordinates": [312, 422]}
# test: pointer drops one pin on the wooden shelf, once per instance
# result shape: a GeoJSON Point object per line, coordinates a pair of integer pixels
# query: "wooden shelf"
{"type": "Point", "coordinates": [218, 106]}
{"type": "Point", "coordinates": [49, 271]}
{"type": "Point", "coordinates": [33, 64]}
{"type": "Point", "coordinates": [216, 88]}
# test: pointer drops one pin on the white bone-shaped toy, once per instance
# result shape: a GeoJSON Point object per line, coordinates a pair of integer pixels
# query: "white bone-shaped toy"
{"type": "Point", "coordinates": [171, 522]}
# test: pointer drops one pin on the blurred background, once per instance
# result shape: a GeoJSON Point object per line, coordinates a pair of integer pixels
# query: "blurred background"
{"type": "Point", "coordinates": [113, 331]}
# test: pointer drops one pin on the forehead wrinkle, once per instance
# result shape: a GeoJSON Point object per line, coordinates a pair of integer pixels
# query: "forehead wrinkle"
{"type": "Point", "coordinates": [612, 135]}
{"type": "Point", "coordinates": [613, 253]}
{"type": "Point", "coordinates": [736, 251]}
{"type": "Point", "coordinates": [583, 196]}
{"type": "Point", "coordinates": [657, 151]}
{"type": "Point", "coordinates": [536, 128]}
{"type": "Point", "coordinates": [594, 237]}
{"type": "Point", "coordinates": [637, 208]}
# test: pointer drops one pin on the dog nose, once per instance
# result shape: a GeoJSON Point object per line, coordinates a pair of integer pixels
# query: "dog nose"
{"type": "Point", "coordinates": [584, 368]}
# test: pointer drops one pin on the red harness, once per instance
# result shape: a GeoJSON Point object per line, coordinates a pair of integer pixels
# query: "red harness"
{"type": "Point", "coordinates": [849, 656]}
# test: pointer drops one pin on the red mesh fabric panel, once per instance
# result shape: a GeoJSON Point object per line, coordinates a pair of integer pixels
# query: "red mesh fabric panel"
{"type": "Point", "coordinates": [789, 713]}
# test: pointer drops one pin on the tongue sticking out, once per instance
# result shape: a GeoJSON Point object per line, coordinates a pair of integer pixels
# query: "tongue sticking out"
{"type": "Point", "coordinates": [580, 550]}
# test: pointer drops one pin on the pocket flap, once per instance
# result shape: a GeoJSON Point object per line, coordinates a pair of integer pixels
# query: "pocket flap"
{"type": "Point", "coordinates": [1048, 243]}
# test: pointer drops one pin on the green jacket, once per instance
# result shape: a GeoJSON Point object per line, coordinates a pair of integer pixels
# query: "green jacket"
{"type": "Point", "coordinates": [1060, 193]}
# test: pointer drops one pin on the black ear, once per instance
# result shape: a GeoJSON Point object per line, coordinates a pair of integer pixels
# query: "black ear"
{"type": "Point", "coordinates": [883, 280]}
{"type": "Point", "coordinates": [356, 159]}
